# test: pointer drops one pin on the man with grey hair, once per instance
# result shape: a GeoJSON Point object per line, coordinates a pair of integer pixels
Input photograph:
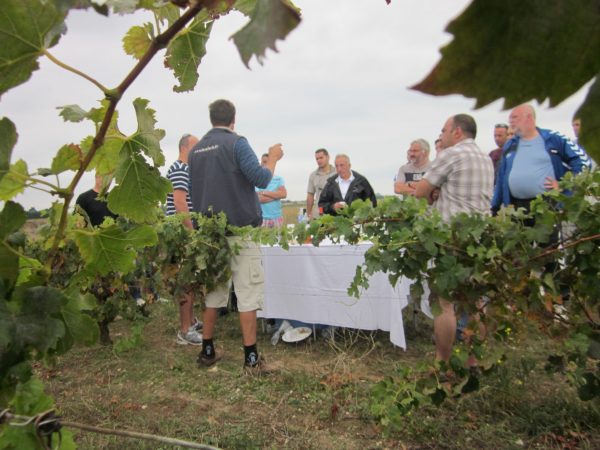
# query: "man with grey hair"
{"type": "Point", "coordinates": [411, 173]}
{"type": "Point", "coordinates": [345, 187]}
{"type": "Point", "coordinates": [464, 175]}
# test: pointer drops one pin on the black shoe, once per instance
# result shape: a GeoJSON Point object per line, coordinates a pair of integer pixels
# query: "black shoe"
{"type": "Point", "coordinates": [205, 361]}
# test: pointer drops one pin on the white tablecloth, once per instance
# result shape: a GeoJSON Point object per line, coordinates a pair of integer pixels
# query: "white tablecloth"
{"type": "Point", "coordinates": [310, 284]}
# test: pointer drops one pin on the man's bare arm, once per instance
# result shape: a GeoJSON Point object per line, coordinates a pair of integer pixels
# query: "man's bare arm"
{"type": "Point", "coordinates": [424, 189]}
{"type": "Point", "coordinates": [181, 206]}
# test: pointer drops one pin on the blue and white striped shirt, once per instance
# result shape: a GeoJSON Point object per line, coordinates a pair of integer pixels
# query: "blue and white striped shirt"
{"type": "Point", "coordinates": [179, 176]}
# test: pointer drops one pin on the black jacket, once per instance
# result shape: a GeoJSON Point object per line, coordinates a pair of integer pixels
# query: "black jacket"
{"type": "Point", "coordinates": [359, 189]}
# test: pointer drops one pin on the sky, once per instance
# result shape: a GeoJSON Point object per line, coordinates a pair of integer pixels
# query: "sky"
{"type": "Point", "coordinates": [340, 81]}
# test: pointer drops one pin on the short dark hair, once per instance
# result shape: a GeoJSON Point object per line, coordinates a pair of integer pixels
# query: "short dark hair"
{"type": "Point", "coordinates": [466, 123]}
{"type": "Point", "coordinates": [322, 150]}
{"type": "Point", "coordinates": [222, 113]}
{"type": "Point", "coordinates": [264, 154]}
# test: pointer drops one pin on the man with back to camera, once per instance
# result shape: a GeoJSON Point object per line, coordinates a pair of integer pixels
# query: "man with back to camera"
{"type": "Point", "coordinates": [178, 202]}
{"type": "Point", "coordinates": [224, 172]}
{"type": "Point", "coordinates": [343, 189]}
{"type": "Point", "coordinates": [464, 175]}
{"type": "Point", "coordinates": [411, 173]}
{"type": "Point", "coordinates": [317, 181]}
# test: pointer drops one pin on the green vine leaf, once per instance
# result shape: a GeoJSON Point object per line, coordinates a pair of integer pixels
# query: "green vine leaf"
{"type": "Point", "coordinates": [14, 180]}
{"type": "Point", "coordinates": [73, 113]}
{"type": "Point", "coordinates": [112, 249]}
{"type": "Point", "coordinates": [30, 399]}
{"type": "Point", "coordinates": [122, 6]}
{"type": "Point", "coordinates": [81, 327]}
{"type": "Point", "coordinates": [12, 219]}
{"type": "Point", "coordinates": [146, 138]}
{"type": "Point", "coordinates": [139, 188]}
{"type": "Point", "coordinates": [468, 67]}
{"type": "Point", "coordinates": [8, 139]}
{"type": "Point", "coordinates": [68, 158]}
{"type": "Point", "coordinates": [271, 20]}
{"type": "Point", "coordinates": [138, 39]}
{"type": "Point", "coordinates": [27, 28]}
{"type": "Point", "coordinates": [185, 52]}
{"type": "Point", "coordinates": [246, 7]}
{"type": "Point", "coordinates": [589, 115]}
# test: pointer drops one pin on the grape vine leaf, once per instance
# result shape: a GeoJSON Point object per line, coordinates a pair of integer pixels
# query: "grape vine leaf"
{"type": "Point", "coordinates": [68, 157]}
{"type": "Point", "coordinates": [80, 326]}
{"type": "Point", "coordinates": [163, 12]}
{"type": "Point", "coordinates": [73, 113]}
{"type": "Point", "coordinates": [588, 112]}
{"type": "Point", "coordinates": [138, 39]}
{"type": "Point", "coordinates": [37, 323]}
{"type": "Point", "coordinates": [111, 249]}
{"type": "Point", "coordinates": [8, 139]}
{"type": "Point", "coordinates": [541, 51]}
{"type": "Point", "coordinates": [30, 399]}
{"type": "Point", "coordinates": [12, 219]}
{"type": "Point", "coordinates": [246, 7]}
{"type": "Point", "coordinates": [13, 182]}
{"type": "Point", "coordinates": [271, 20]}
{"type": "Point", "coordinates": [186, 50]}
{"type": "Point", "coordinates": [122, 6]}
{"type": "Point", "coordinates": [139, 188]}
{"type": "Point", "coordinates": [146, 138]}
{"type": "Point", "coordinates": [27, 28]}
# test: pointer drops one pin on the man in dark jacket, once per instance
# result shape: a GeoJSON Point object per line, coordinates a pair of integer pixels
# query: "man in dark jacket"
{"type": "Point", "coordinates": [345, 187]}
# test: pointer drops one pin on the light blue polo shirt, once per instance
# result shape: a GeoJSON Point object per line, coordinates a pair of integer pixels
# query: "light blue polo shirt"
{"type": "Point", "coordinates": [272, 210]}
{"type": "Point", "coordinates": [530, 168]}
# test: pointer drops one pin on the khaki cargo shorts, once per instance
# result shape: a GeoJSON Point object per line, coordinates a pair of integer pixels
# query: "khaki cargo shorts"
{"type": "Point", "coordinates": [247, 275]}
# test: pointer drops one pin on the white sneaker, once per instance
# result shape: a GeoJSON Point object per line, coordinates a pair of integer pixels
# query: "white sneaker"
{"type": "Point", "coordinates": [285, 325]}
{"type": "Point", "coordinates": [197, 325]}
{"type": "Point", "coordinates": [192, 337]}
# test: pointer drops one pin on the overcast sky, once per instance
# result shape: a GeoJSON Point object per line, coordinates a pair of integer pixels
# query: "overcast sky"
{"type": "Point", "coordinates": [340, 81]}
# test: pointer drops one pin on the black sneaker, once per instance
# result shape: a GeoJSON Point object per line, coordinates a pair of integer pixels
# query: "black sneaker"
{"type": "Point", "coordinates": [205, 361]}
{"type": "Point", "coordinates": [260, 368]}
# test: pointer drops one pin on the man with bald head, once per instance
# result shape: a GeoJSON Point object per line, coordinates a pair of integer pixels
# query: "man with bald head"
{"type": "Point", "coordinates": [533, 161]}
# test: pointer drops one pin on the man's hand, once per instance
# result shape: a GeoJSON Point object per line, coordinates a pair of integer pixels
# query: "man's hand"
{"type": "Point", "coordinates": [275, 152]}
{"type": "Point", "coordinates": [550, 183]}
{"type": "Point", "coordinates": [339, 205]}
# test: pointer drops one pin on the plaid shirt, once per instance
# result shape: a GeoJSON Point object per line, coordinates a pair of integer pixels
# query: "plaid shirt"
{"type": "Point", "coordinates": [465, 176]}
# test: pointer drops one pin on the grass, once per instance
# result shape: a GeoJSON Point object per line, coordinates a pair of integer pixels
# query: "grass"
{"type": "Point", "coordinates": [319, 400]}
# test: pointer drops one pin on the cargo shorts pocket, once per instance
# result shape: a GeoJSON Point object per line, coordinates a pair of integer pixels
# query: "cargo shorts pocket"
{"type": "Point", "coordinates": [257, 274]}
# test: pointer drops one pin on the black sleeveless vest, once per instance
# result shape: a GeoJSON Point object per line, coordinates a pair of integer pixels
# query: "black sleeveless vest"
{"type": "Point", "coordinates": [217, 183]}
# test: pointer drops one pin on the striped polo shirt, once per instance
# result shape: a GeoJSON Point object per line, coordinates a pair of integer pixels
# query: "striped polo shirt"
{"type": "Point", "coordinates": [179, 177]}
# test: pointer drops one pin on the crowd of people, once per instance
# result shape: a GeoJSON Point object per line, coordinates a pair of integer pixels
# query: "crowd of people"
{"type": "Point", "coordinates": [221, 173]}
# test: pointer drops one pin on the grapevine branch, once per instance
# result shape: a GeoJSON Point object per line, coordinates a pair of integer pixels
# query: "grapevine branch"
{"type": "Point", "coordinates": [114, 96]}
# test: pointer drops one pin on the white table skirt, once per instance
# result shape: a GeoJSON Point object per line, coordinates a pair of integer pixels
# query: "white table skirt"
{"type": "Point", "coordinates": [310, 284]}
